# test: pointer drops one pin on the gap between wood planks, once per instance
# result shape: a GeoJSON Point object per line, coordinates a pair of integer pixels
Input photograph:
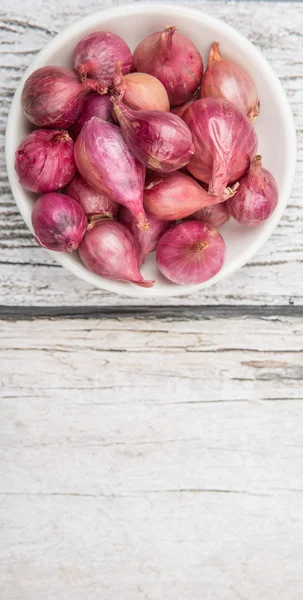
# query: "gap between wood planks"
{"type": "Point", "coordinates": [206, 312]}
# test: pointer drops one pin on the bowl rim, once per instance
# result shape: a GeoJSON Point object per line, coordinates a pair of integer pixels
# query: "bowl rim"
{"type": "Point", "coordinates": [291, 150]}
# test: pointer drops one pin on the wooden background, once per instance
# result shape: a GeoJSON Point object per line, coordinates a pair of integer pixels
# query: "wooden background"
{"type": "Point", "coordinates": [151, 452]}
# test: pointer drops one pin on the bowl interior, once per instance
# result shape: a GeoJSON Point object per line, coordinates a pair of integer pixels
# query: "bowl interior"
{"type": "Point", "coordinates": [274, 127]}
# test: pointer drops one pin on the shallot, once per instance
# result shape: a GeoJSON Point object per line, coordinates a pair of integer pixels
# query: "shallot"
{"type": "Point", "coordinates": [174, 60]}
{"type": "Point", "coordinates": [95, 56]}
{"type": "Point", "coordinates": [94, 106]}
{"type": "Point", "coordinates": [146, 240]}
{"type": "Point", "coordinates": [45, 160]}
{"type": "Point", "coordinates": [160, 140]}
{"type": "Point", "coordinates": [215, 215]}
{"type": "Point", "coordinates": [225, 79]}
{"type": "Point", "coordinates": [59, 222]}
{"type": "Point", "coordinates": [257, 196]}
{"type": "Point", "coordinates": [225, 142]}
{"type": "Point", "coordinates": [53, 97]}
{"type": "Point", "coordinates": [110, 251]}
{"type": "Point", "coordinates": [141, 91]}
{"type": "Point", "coordinates": [105, 162]}
{"type": "Point", "coordinates": [191, 252]}
{"type": "Point", "coordinates": [94, 204]}
{"type": "Point", "coordinates": [177, 196]}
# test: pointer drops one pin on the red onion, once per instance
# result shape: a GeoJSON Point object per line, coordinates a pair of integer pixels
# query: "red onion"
{"type": "Point", "coordinates": [174, 60]}
{"type": "Point", "coordinates": [257, 196]}
{"type": "Point", "coordinates": [53, 97]}
{"type": "Point", "coordinates": [146, 240]}
{"type": "Point", "coordinates": [96, 54]}
{"type": "Point", "coordinates": [177, 196]}
{"type": "Point", "coordinates": [93, 203]}
{"type": "Point", "coordinates": [215, 215]}
{"type": "Point", "coordinates": [225, 142]}
{"type": "Point", "coordinates": [45, 160]}
{"type": "Point", "coordinates": [106, 163]}
{"type": "Point", "coordinates": [225, 79]}
{"type": "Point", "coordinates": [110, 251]}
{"type": "Point", "coordinates": [94, 106]}
{"type": "Point", "coordinates": [160, 140]}
{"type": "Point", "coordinates": [141, 91]}
{"type": "Point", "coordinates": [59, 222]}
{"type": "Point", "coordinates": [180, 110]}
{"type": "Point", "coordinates": [190, 252]}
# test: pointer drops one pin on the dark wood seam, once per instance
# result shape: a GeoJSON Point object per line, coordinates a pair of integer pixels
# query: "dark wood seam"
{"type": "Point", "coordinates": [184, 313]}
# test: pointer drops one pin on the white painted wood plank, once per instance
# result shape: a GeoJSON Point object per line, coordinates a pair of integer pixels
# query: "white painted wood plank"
{"type": "Point", "coordinates": [171, 469]}
{"type": "Point", "coordinates": [28, 275]}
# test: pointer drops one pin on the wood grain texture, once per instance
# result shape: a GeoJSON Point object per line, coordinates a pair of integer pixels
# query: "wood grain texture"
{"type": "Point", "coordinates": [142, 460]}
{"type": "Point", "coordinates": [28, 275]}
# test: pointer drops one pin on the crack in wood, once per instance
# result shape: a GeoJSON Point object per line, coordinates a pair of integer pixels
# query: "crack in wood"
{"type": "Point", "coordinates": [165, 312]}
{"type": "Point", "coordinates": [138, 492]}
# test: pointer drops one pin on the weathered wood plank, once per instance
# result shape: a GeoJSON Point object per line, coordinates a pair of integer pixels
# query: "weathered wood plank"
{"type": "Point", "coordinates": [29, 276]}
{"type": "Point", "coordinates": [173, 468]}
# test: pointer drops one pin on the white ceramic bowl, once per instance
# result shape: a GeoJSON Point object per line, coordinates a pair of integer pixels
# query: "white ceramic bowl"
{"type": "Point", "coordinates": [274, 126]}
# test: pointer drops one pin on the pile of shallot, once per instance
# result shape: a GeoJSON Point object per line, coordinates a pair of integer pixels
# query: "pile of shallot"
{"type": "Point", "coordinates": [136, 153]}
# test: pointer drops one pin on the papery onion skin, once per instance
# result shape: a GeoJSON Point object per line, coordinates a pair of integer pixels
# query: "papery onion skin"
{"type": "Point", "coordinates": [174, 60]}
{"type": "Point", "coordinates": [94, 106]}
{"type": "Point", "coordinates": [59, 222]}
{"type": "Point", "coordinates": [226, 79]}
{"type": "Point", "coordinates": [216, 215]}
{"type": "Point", "coordinates": [141, 91]}
{"type": "Point", "coordinates": [105, 162]}
{"type": "Point", "coordinates": [110, 251]}
{"type": "Point", "coordinates": [96, 54]}
{"type": "Point", "coordinates": [93, 203]}
{"type": "Point", "coordinates": [177, 196]}
{"type": "Point", "coordinates": [257, 196]}
{"type": "Point", "coordinates": [45, 160]}
{"type": "Point", "coordinates": [147, 241]}
{"type": "Point", "coordinates": [191, 252]}
{"type": "Point", "coordinates": [160, 140]}
{"type": "Point", "coordinates": [53, 97]}
{"type": "Point", "coordinates": [225, 142]}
